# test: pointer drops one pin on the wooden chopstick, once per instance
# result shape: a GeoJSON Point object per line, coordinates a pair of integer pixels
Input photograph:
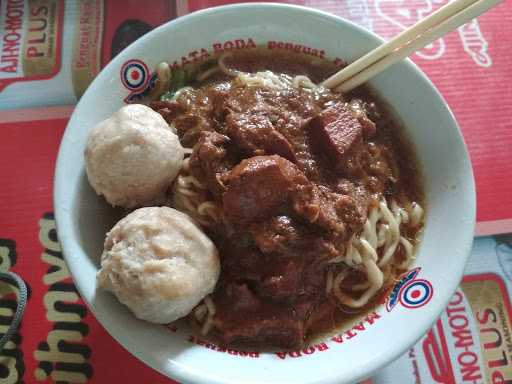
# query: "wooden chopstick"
{"type": "Point", "coordinates": [396, 42]}
{"type": "Point", "coordinates": [431, 28]}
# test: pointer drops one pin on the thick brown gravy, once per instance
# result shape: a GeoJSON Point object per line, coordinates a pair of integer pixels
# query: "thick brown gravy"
{"type": "Point", "coordinates": [293, 174]}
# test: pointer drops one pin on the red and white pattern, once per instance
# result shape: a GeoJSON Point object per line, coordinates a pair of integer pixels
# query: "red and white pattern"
{"type": "Point", "coordinates": [60, 340]}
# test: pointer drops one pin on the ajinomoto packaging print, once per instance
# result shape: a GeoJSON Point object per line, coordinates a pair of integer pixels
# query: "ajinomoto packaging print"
{"type": "Point", "coordinates": [50, 50]}
{"type": "Point", "coordinates": [61, 341]}
{"type": "Point", "coordinates": [82, 36]}
{"type": "Point", "coordinates": [472, 340]}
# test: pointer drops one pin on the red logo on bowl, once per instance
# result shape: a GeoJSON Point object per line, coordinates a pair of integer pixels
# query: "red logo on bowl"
{"type": "Point", "coordinates": [410, 291]}
{"type": "Point", "coordinates": [137, 78]}
{"type": "Point", "coordinates": [134, 75]}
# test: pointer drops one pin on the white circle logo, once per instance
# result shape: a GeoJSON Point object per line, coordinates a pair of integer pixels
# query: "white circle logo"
{"type": "Point", "coordinates": [134, 75]}
{"type": "Point", "coordinates": [416, 294]}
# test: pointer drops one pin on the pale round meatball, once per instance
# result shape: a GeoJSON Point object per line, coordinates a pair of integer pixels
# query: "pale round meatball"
{"type": "Point", "coordinates": [132, 157]}
{"type": "Point", "coordinates": [159, 263]}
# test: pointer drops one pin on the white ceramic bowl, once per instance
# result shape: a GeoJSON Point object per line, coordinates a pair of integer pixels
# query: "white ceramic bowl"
{"type": "Point", "coordinates": [83, 219]}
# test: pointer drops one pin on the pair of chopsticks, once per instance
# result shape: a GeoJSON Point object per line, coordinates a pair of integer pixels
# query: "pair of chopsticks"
{"type": "Point", "coordinates": [442, 21]}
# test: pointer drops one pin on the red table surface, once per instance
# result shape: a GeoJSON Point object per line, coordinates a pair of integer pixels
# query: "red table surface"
{"type": "Point", "coordinates": [28, 153]}
{"type": "Point", "coordinates": [60, 341]}
{"type": "Point", "coordinates": [471, 68]}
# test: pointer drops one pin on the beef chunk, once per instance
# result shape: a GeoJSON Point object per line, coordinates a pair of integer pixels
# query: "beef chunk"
{"type": "Point", "coordinates": [241, 297]}
{"type": "Point", "coordinates": [319, 207]}
{"type": "Point", "coordinates": [242, 99]}
{"type": "Point", "coordinates": [335, 131]}
{"type": "Point", "coordinates": [278, 234]}
{"type": "Point", "coordinates": [284, 235]}
{"type": "Point", "coordinates": [323, 317]}
{"type": "Point", "coordinates": [361, 110]}
{"type": "Point", "coordinates": [254, 134]}
{"type": "Point", "coordinates": [263, 186]}
{"type": "Point", "coordinates": [258, 186]}
{"type": "Point", "coordinates": [296, 102]}
{"type": "Point", "coordinates": [351, 211]}
{"type": "Point", "coordinates": [190, 114]}
{"type": "Point", "coordinates": [168, 109]}
{"type": "Point", "coordinates": [369, 127]}
{"type": "Point", "coordinates": [191, 126]}
{"type": "Point", "coordinates": [210, 160]}
{"type": "Point", "coordinates": [265, 325]}
{"type": "Point", "coordinates": [283, 280]}
{"type": "Point", "coordinates": [269, 275]}
{"type": "Point", "coordinates": [240, 261]}
{"type": "Point", "coordinates": [331, 211]}
{"type": "Point", "coordinates": [218, 97]}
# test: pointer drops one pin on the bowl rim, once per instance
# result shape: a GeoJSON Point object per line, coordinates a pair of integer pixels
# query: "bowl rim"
{"type": "Point", "coordinates": [185, 375]}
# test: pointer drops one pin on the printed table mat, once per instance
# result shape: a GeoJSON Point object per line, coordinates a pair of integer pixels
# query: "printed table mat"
{"type": "Point", "coordinates": [60, 341]}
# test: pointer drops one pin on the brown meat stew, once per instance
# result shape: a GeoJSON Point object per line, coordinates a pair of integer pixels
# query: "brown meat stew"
{"type": "Point", "coordinates": [312, 197]}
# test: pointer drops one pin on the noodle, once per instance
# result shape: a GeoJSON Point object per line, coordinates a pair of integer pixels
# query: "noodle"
{"type": "Point", "coordinates": [380, 236]}
{"type": "Point", "coordinates": [330, 281]}
{"type": "Point", "coordinates": [408, 247]}
{"type": "Point", "coordinates": [185, 181]}
{"type": "Point", "coordinates": [266, 79]}
{"type": "Point", "coordinates": [180, 91]}
{"type": "Point", "coordinates": [369, 249]}
{"type": "Point", "coordinates": [163, 80]}
{"type": "Point", "coordinates": [372, 252]}
{"type": "Point", "coordinates": [207, 325]}
{"type": "Point", "coordinates": [204, 313]}
{"type": "Point", "coordinates": [303, 81]}
{"type": "Point", "coordinates": [200, 312]}
{"type": "Point", "coordinates": [208, 208]}
{"type": "Point", "coordinates": [208, 73]}
{"type": "Point", "coordinates": [360, 286]}
{"type": "Point", "coordinates": [393, 234]}
{"type": "Point", "coordinates": [416, 214]}
{"type": "Point", "coordinates": [209, 304]}
{"type": "Point", "coordinates": [223, 67]}
{"type": "Point", "coordinates": [368, 233]}
{"type": "Point", "coordinates": [271, 80]}
{"type": "Point", "coordinates": [190, 195]}
{"type": "Point", "coordinates": [375, 279]}
{"type": "Point", "coordinates": [356, 106]}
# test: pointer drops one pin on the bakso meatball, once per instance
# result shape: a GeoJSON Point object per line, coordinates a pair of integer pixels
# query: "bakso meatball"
{"type": "Point", "coordinates": [158, 263]}
{"type": "Point", "coordinates": [132, 157]}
